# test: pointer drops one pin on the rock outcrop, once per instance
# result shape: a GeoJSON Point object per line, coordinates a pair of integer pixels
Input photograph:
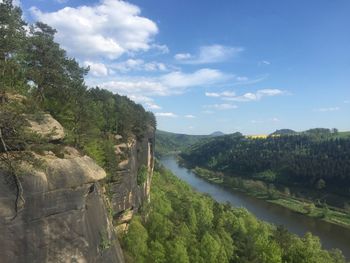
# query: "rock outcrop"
{"type": "Point", "coordinates": [67, 216]}
{"type": "Point", "coordinates": [64, 218]}
{"type": "Point", "coordinates": [127, 192]}
{"type": "Point", "coordinates": [46, 126]}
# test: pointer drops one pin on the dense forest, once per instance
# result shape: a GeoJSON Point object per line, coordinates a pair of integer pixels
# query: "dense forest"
{"type": "Point", "coordinates": [170, 143]}
{"type": "Point", "coordinates": [181, 225]}
{"type": "Point", "coordinates": [316, 160]}
{"type": "Point", "coordinates": [38, 77]}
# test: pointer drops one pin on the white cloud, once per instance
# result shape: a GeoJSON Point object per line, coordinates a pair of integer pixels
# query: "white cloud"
{"type": "Point", "coordinates": [166, 114]}
{"type": "Point", "coordinates": [256, 96]}
{"type": "Point", "coordinates": [97, 69]}
{"type": "Point", "coordinates": [202, 77]}
{"type": "Point", "coordinates": [190, 116]}
{"type": "Point", "coordinates": [220, 94]}
{"type": "Point", "coordinates": [139, 65]}
{"type": "Point", "coordinates": [155, 66]}
{"type": "Point", "coordinates": [17, 2]}
{"type": "Point", "coordinates": [146, 101]}
{"type": "Point", "coordinates": [327, 109]}
{"type": "Point", "coordinates": [182, 56]}
{"type": "Point", "coordinates": [209, 54]}
{"type": "Point", "coordinates": [61, 1]}
{"type": "Point", "coordinates": [162, 48]}
{"type": "Point", "coordinates": [140, 98]}
{"type": "Point", "coordinates": [137, 86]}
{"type": "Point", "coordinates": [264, 62]}
{"type": "Point", "coordinates": [242, 80]}
{"type": "Point", "coordinates": [108, 29]}
{"type": "Point", "coordinates": [152, 106]}
{"type": "Point", "coordinates": [164, 85]}
{"type": "Point", "coordinates": [346, 101]}
{"type": "Point", "coordinates": [223, 106]}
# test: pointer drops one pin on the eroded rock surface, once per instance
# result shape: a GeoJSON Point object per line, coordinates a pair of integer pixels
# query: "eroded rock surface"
{"type": "Point", "coordinates": [127, 195]}
{"type": "Point", "coordinates": [64, 217]}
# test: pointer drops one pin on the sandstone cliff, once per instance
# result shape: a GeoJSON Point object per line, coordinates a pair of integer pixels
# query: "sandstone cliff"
{"type": "Point", "coordinates": [127, 193]}
{"type": "Point", "coordinates": [67, 213]}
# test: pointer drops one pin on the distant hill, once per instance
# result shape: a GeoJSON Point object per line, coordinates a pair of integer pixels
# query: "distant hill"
{"type": "Point", "coordinates": [217, 133]}
{"type": "Point", "coordinates": [168, 142]}
{"type": "Point", "coordinates": [284, 132]}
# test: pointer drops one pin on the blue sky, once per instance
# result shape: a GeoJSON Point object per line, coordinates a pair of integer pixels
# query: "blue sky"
{"type": "Point", "coordinates": [202, 66]}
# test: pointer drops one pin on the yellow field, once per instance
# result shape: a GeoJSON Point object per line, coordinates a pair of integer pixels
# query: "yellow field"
{"type": "Point", "coordinates": [259, 136]}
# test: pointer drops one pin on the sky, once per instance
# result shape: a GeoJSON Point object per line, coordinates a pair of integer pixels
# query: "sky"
{"type": "Point", "coordinates": [201, 66]}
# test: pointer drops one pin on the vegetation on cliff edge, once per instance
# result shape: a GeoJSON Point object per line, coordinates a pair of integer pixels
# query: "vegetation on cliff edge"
{"type": "Point", "coordinates": [181, 225]}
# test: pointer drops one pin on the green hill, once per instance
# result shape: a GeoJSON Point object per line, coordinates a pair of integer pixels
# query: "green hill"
{"type": "Point", "coordinates": [168, 142]}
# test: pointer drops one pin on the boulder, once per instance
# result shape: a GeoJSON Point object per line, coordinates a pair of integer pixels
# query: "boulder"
{"type": "Point", "coordinates": [46, 126]}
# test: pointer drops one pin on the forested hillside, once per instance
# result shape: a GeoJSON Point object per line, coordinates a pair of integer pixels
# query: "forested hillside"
{"type": "Point", "coordinates": [181, 225]}
{"type": "Point", "coordinates": [168, 142]}
{"type": "Point", "coordinates": [314, 161]}
{"type": "Point", "coordinates": [37, 77]}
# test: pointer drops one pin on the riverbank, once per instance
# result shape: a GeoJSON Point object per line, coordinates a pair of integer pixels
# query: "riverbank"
{"type": "Point", "coordinates": [269, 193]}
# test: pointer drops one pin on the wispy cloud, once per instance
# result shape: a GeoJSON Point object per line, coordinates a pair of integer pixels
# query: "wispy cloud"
{"type": "Point", "coordinates": [223, 106]}
{"type": "Point", "coordinates": [61, 1]}
{"type": "Point", "coordinates": [162, 48]}
{"type": "Point", "coordinates": [327, 109]}
{"type": "Point", "coordinates": [190, 116]}
{"type": "Point", "coordinates": [182, 56]}
{"type": "Point", "coordinates": [152, 106]}
{"type": "Point", "coordinates": [138, 65]}
{"type": "Point", "coordinates": [264, 62]}
{"type": "Point", "coordinates": [209, 54]}
{"type": "Point", "coordinates": [246, 97]}
{"type": "Point", "coordinates": [166, 114]}
{"type": "Point", "coordinates": [243, 81]}
{"type": "Point", "coordinates": [220, 94]}
{"type": "Point", "coordinates": [202, 77]}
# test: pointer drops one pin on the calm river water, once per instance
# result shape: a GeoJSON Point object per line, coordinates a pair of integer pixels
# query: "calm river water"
{"type": "Point", "coordinates": [331, 236]}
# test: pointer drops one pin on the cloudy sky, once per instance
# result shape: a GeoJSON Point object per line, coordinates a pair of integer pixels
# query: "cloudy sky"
{"type": "Point", "coordinates": [201, 66]}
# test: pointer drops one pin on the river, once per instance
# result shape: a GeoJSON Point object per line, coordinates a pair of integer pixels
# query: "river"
{"type": "Point", "coordinates": [332, 236]}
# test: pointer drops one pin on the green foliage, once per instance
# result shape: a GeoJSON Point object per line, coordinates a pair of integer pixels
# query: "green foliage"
{"type": "Point", "coordinates": [135, 242]}
{"type": "Point", "coordinates": [105, 243]}
{"type": "Point", "coordinates": [184, 226]}
{"type": "Point", "coordinates": [142, 175]}
{"type": "Point", "coordinates": [168, 142]}
{"type": "Point", "coordinates": [268, 176]}
{"type": "Point", "coordinates": [309, 160]}
{"type": "Point", "coordinates": [320, 184]}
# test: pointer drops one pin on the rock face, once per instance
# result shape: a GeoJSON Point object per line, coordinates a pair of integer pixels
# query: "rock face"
{"type": "Point", "coordinates": [67, 215]}
{"type": "Point", "coordinates": [46, 126]}
{"type": "Point", "coordinates": [64, 218]}
{"type": "Point", "coordinates": [127, 194]}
